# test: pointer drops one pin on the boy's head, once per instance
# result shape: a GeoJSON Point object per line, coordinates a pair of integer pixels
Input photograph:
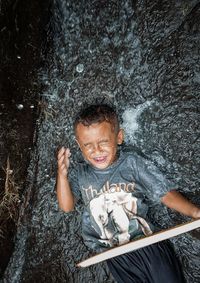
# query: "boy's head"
{"type": "Point", "coordinates": [97, 113]}
{"type": "Point", "coordinates": [98, 134]}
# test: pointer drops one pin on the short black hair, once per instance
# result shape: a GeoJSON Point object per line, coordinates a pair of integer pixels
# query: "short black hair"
{"type": "Point", "coordinates": [97, 113]}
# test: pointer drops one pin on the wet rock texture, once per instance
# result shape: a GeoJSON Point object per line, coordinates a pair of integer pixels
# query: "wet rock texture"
{"type": "Point", "coordinates": [22, 29]}
{"type": "Point", "coordinates": [130, 53]}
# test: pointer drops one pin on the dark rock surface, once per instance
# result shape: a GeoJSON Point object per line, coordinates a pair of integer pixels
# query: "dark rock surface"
{"type": "Point", "coordinates": [143, 56]}
{"type": "Point", "coordinates": [23, 26]}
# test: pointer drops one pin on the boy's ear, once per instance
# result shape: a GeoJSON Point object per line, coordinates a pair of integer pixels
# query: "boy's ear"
{"type": "Point", "coordinates": [120, 136]}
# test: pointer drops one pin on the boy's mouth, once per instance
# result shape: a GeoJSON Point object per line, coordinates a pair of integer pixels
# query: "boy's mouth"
{"type": "Point", "coordinates": [100, 159]}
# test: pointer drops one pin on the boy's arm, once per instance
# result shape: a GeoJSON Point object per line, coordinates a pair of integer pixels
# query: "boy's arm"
{"type": "Point", "coordinates": [178, 202]}
{"type": "Point", "coordinates": [64, 194]}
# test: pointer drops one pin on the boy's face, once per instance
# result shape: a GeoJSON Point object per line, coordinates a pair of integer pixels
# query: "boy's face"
{"type": "Point", "coordinates": [98, 143]}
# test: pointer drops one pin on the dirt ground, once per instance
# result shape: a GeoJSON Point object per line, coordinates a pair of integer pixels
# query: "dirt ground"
{"type": "Point", "coordinates": [23, 28]}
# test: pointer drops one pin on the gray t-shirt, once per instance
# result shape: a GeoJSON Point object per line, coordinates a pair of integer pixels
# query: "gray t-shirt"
{"type": "Point", "coordinates": [117, 199]}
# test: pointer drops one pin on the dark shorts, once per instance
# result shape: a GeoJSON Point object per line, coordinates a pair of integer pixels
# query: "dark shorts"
{"type": "Point", "coordinates": [156, 263]}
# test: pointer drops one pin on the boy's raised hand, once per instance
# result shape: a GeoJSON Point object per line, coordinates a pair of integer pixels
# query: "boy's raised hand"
{"type": "Point", "coordinates": [64, 193]}
{"type": "Point", "coordinates": [63, 161]}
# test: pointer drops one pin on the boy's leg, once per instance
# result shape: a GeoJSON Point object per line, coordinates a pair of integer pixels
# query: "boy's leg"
{"type": "Point", "coordinates": [153, 264]}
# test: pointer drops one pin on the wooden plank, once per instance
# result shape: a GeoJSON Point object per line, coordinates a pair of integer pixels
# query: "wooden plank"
{"type": "Point", "coordinates": [137, 244]}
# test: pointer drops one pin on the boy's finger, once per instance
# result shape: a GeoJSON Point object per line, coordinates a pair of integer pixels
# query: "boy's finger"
{"type": "Point", "coordinates": [60, 160]}
{"type": "Point", "coordinates": [61, 152]}
{"type": "Point", "coordinates": [62, 167]}
{"type": "Point", "coordinates": [67, 152]}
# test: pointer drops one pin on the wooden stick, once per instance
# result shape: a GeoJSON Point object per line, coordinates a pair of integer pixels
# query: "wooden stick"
{"type": "Point", "coordinates": [137, 244]}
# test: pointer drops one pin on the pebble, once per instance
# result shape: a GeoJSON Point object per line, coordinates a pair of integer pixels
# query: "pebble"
{"type": "Point", "coordinates": [80, 68]}
{"type": "Point", "coordinates": [20, 106]}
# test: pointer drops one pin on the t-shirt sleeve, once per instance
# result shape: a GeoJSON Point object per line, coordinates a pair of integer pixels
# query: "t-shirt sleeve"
{"type": "Point", "coordinates": [154, 184]}
{"type": "Point", "coordinates": [74, 183]}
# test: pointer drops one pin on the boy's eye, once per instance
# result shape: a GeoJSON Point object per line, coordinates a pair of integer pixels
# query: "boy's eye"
{"type": "Point", "coordinates": [103, 143]}
{"type": "Point", "coordinates": [88, 146]}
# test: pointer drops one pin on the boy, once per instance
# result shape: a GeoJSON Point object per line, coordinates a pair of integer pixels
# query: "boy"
{"type": "Point", "coordinates": [117, 188]}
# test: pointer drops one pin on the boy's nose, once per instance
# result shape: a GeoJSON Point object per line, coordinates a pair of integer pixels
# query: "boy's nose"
{"type": "Point", "coordinates": [97, 148]}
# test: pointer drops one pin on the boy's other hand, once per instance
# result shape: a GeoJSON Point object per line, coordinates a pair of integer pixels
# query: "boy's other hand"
{"type": "Point", "coordinates": [197, 214]}
{"type": "Point", "coordinates": [177, 201]}
{"type": "Point", "coordinates": [63, 161]}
